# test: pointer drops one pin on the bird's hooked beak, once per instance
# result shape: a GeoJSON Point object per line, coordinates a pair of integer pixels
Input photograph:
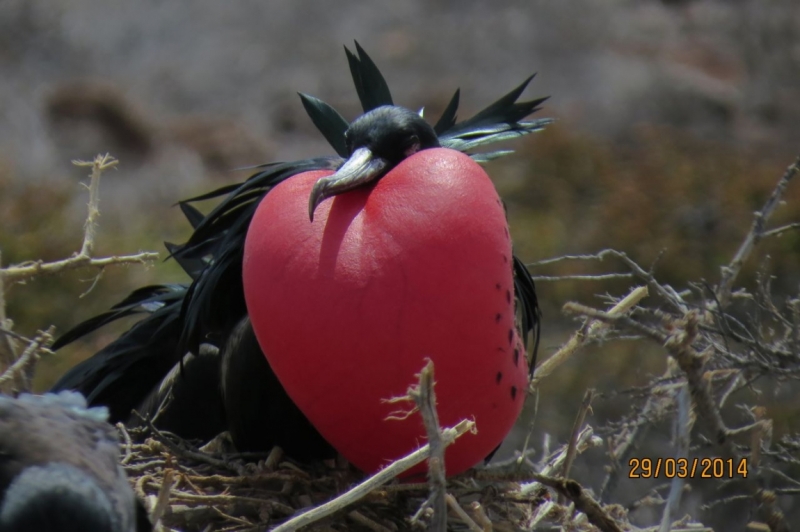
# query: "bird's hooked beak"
{"type": "Point", "coordinates": [362, 167]}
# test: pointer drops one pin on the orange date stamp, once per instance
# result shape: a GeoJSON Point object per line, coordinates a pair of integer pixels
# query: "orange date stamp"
{"type": "Point", "coordinates": [715, 468]}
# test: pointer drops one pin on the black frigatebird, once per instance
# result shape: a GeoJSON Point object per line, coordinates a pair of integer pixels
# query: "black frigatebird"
{"type": "Point", "coordinates": [346, 295]}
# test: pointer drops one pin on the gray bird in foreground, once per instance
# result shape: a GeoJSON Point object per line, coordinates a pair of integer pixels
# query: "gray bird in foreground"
{"type": "Point", "coordinates": [59, 468]}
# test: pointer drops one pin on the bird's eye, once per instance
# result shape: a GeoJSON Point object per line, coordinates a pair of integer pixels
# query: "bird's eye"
{"type": "Point", "coordinates": [413, 145]}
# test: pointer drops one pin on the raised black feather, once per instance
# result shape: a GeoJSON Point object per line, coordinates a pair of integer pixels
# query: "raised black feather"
{"type": "Point", "coordinates": [370, 85]}
{"type": "Point", "coordinates": [505, 110]}
{"type": "Point", "coordinates": [194, 216]}
{"type": "Point", "coordinates": [328, 120]}
{"type": "Point", "coordinates": [502, 120]}
{"type": "Point", "coordinates": [448, 118]}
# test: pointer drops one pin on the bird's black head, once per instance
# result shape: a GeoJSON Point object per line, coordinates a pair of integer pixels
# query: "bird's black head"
{"type": "Point", "coordinates": [391, 133]}
{"type": "Point", "coordinates": [376, 141]}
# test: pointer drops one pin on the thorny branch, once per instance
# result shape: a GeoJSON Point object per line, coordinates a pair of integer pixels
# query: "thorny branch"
{"type": "Point", "coordinates": [714, 353]}
{"type": "Point", "coordinates": [425, 398]}
{"type": "Point", "coordinates": [83, 258]}
{"type": "Point", "coordinates": [22, 272]}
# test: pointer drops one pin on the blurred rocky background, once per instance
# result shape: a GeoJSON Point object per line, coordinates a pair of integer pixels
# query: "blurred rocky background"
{"type": "Point", "coordinates": [675, 121]}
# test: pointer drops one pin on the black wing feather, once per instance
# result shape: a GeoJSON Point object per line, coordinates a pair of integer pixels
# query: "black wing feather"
{"type": "Point", "coordinates": [121, 374]}
{"type": "Point", "coordinates": [215, 302]}
{"type": "Point", "coordinates": [221, 191]}
{"type": "Point", "coordinates": [146, 299]}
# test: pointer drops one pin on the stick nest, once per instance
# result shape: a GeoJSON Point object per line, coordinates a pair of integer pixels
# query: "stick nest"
{"type": "Point", "coordinates": [186, 489]}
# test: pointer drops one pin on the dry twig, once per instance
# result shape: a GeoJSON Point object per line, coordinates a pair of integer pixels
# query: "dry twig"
{"type": "Point", "coordinates": [449, 435]}
{"type": "Point", "coordinates": [10, 366]}
{"type": "Point", "coordinates": [83, 258]}
{"type": "Point", "coordinates": [424, 397]}
{"type": "Point", "coordinates": [572, 448]}
{"type": "Point", "coordinates": [760, 219]}
{"type": "Point", "coordinates": [21, 371]}
{"type": "Point", "coordinates": [581, 337]}
{"type": "Point", "coordinates": [582, 500]}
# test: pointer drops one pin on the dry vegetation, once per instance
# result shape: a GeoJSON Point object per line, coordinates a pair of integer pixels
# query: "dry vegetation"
{"type": "Point", "coordinates": [18, 354]}
{"type": "Point", "coordinates": [727, 346]}
{"type": "Point", "coordinates": [705, 365]}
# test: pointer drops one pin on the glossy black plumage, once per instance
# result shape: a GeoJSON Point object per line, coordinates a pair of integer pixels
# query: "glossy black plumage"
{"type": "Point", "coordinates": [191, 388]}
{"type": "Point", "coordinates": [122, 374]}
{"type": "Point", "coordinates": [59, 469]}
{"type": "Point", "coordinates": [143, 367]}
{"type": "Point", "coordinates": [262, 404]}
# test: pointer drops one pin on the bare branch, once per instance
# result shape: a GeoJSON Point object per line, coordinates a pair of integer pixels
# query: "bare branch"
{"type": "Point", "coordinates": [162, 502]}
{"type": "Point", "coordinates": [580, 338]}
{"type": "Point", "coordinates": [25, 271]}
{"type": "Point", "coordinates": [449, 435]}
{"type": "Point", "coordinates": [760, 218]}
{"type": "Point", "coordinates": [365, 521]}
{"type": "Point", "coordinates": [664, 291]}
{"type": "Point", "coordinates": [21, 370]}
{"type": "Point", "coordinates": [582, 500]}
{"type": "Point", "coordinates": [598, 277]}
{"type": "Point", "coordinates": [585, 440]}
{"type": "Point", "coordinates": [83, 258]}
{"type": "Point", "coordinates": [8, 349]}
{"type": "Point", "coordinates": [452, 503]}
{"type": "Point", "coordinates": [424, 397]}
{"type": "Point", "coordinates": [778, 231]}
{"type": "Point", "coordinates": [100, 164]}
{"type": "Point", "coordinates": [572, 449]}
